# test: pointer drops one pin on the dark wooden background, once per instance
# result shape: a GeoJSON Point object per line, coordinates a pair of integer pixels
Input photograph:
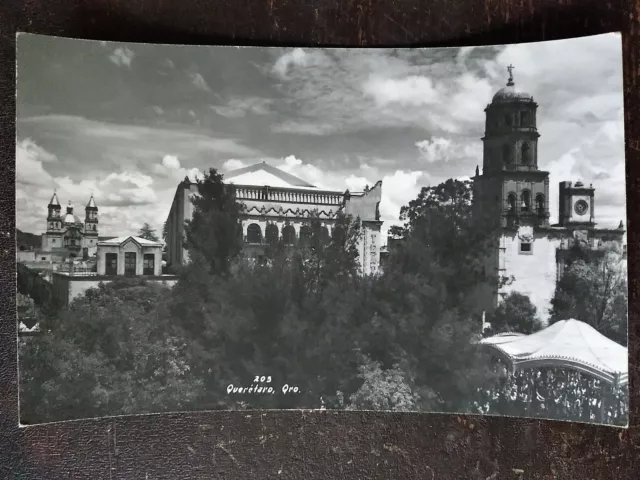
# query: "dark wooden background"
{"type": "Point", "coordinates": [321, 445]}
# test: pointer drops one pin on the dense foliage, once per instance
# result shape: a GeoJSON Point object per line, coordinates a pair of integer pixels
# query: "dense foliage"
{"type": "Point", "coordinates": [300, 315]}
{"type": "Point", "coordinates": [112, 352]}
{"type": "Point", "coordinates": [515, 314]}
{"type": "Point", "coordinates": [593, 289]}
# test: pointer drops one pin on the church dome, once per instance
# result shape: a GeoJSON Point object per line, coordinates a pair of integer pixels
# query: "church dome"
{"type": "Point", "coordinates": [510, 93]}
{"type": "Point", "coordinates": [71, 218]}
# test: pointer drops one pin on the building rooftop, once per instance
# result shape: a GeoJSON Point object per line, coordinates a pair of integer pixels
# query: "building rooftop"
{"type": "Point", "coordinates": [120, 240]}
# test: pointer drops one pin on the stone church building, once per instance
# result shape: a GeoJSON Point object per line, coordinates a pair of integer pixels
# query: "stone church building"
{"type": "Point", "coordinates": [512, 194]}
{"type": "Point", "coordinates": [277, 207]}
{"type": "Point", "coordinates": [67, 233]}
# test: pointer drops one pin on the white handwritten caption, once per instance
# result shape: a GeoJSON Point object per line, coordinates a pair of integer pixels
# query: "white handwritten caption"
{"type": "Point", "coordinates": [258, 388]}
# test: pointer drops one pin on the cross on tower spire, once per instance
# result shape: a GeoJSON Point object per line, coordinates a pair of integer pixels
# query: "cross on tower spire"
{"type": "Point", "coordinates": [510, 70]}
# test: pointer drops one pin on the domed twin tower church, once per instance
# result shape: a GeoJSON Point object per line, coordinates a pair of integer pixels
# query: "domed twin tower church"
{"type": "Point", "coordinates": [512, 194]}
{"type": "Point", "coordinates": [69, 234]}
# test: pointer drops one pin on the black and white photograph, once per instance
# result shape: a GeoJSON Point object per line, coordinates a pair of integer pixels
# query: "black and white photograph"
{"type": "Point", "coordinates": [266, 228]}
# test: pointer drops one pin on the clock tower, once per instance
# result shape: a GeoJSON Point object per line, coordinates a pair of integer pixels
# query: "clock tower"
{"type": "Point", "coordinates": [576, 205]}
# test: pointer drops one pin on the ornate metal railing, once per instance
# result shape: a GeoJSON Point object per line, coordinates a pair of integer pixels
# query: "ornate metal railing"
{"type": "Point", "coordinates": [286, 195]}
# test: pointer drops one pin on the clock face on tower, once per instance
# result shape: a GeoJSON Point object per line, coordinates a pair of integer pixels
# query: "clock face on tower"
{"type": "Point", "coordinates": [581, 207]}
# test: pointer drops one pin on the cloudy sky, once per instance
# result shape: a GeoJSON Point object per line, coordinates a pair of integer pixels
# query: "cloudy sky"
{"type": "Point", "coordinates": [127, 122]}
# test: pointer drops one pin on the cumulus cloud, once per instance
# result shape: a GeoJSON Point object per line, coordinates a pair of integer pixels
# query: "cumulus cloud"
{"type": "Point", "coordinates": [413, 90]}
{"type": "Point", "coordinates": [29, 164]}
{"type": "Point", "coordinates": [435, 149]}
{"type": "Point", "coordinates": [171, 161]}
{"type": "Point", "coordinates": [35, 185]}
{"type": "Point", "coordinates": [297, 57]}
{"type": "Point", "coordinates": [170, 167]}
{"type": "Point", "coordinates": [233, 165]}
{"type": "Point", "coordinates": [122, 57]}
{"type": "Point", "coordinates": [199, 82]}
{"type": "Point", "coordinates": [398, 189]}
{"type": "Point", "coordinates": [347, 91]}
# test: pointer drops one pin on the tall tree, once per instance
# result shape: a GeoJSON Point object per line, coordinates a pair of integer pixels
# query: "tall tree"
{"type": "Point", "coordinates": [424, 308]}
{"type": "Point", "coordinates": [148, 233]}
{"type": "Point", "coordinates": [593, 289]}
{"type": "Point", "coordinates": [214, 233]}
{"type": "Point", "coordinates": [441, 236]}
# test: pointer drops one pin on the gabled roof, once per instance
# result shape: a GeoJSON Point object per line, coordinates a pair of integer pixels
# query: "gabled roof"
{"type": "Point", "coordinates": [261, 174]}
{"type": "Point", "coordinates": [118, 241]}
{"type": "Point", "coordinates": [54, 200]}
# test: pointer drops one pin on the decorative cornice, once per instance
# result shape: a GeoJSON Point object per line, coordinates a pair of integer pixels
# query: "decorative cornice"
{"type": "Point", "coordinates": [289, 212]}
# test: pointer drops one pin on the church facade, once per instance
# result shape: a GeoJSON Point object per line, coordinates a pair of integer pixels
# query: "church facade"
{"type": "Point", "coordinates": [512, 195]}
{"type": "Point", "coordinates": [277, 207]}
{"type": "Point", "coordinates": [67, 233]}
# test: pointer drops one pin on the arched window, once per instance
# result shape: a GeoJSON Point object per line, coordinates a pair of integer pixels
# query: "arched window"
{"type": "Point", "coordinates": [525, 154]}
{"type": "Point", "coordinates": [289, 235]}
{"type": "Point", "coordinates": [507, 120]}
{"type": "Point", "coordinates": [506, 154]}
{"type": "Point", "coordinates": [254, 233]}
{"type": "Point", "coordinates": [540, 203]}
{"type": "Point", "coordinates": [525, 197]}
{"type": "Point", "coordinates": [524, 118]}
{"type": "Point", "coordinates": [305, 234]}
{"type": "Point", "coordinates": [511, 202]}
{"type": "Point", "coordinates": [271, 233]}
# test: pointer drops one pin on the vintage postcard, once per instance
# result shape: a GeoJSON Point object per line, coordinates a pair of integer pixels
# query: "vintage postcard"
{"type": "Point", "coordinates": [222, 228]}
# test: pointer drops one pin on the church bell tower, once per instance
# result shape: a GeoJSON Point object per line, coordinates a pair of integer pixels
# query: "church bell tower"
{"type": "Point", "coordinates": [54, 222]}
{"type": "Point", "coordinates": [91, 224]}
{"type": "Point", "coordinates": [511, 191]}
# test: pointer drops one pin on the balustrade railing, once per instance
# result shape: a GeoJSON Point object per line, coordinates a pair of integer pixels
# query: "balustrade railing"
{"type": "Point", "coordinates": [80, 271]}
{"type": "Point", "coordinates": [285, 195]}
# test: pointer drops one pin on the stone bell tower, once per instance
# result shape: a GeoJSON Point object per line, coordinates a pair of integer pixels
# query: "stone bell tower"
{"type": "Point", "coordinates": [511, 191]}
{"type": "Point", "coordinates": [91, 227]}
{"type": "Point", "coordinates": [52, 238]}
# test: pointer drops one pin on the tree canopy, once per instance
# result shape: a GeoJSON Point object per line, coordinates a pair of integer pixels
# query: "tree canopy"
{"type": "Point", "coordinates": [148, 233]}
{"type": "Point", "coordinates": [111, 352]}
{"type": "Point", "coordinates": [214, 233]}
{"type": "Point", "coordinates": [593, 289]}
{"type": "Point", "coordinates": [515, 314]}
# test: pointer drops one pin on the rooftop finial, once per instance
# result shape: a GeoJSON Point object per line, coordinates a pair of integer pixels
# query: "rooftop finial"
{"type": "Point", "coordinates": [510, 69]}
